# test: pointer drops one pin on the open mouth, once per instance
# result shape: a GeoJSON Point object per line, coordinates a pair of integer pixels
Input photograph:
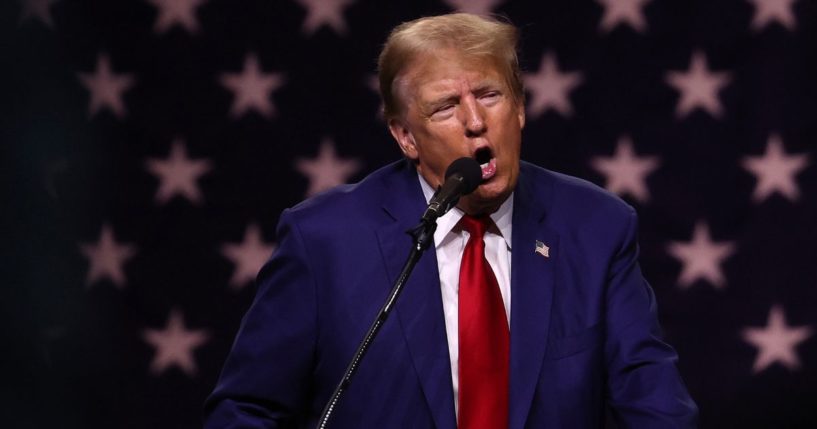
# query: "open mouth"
{"type": "Point", "coordinates": [485, 158]}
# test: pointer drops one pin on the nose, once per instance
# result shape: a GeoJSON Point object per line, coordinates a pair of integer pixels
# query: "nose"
{"type": "Point", "coordinates": [473, 117]}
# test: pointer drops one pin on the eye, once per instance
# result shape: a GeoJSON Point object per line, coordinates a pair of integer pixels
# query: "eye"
{"type": "Point", "coordinates": [443, 111]}
{"type": "Point", "coordinates": [490, 97]}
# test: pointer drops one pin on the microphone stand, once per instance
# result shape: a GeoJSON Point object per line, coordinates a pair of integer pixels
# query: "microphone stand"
{"type": "Point", "coordinates": [423, 235]}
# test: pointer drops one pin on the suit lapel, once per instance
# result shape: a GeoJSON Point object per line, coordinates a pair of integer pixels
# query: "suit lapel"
{"type": "Point", "coordinates": [532, 281]}
{"type": "Point", "coordinates": [419, 310]}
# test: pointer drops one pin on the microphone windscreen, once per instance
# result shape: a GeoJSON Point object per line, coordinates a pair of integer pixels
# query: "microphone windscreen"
{"type": "Point", "coordinates": [469, 169]}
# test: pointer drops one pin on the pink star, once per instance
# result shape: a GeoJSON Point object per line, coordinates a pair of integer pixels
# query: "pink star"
{"type": "Point", "coordinates": [252, 88]}
{"type": "Point", "coordinates": [616, 12]}
{"type": "Point", "coordinates": [106, 258]}
{"type": "Point", "coordinates": [549, 87]}
{"type": "Point", "coordinates": [776, 342]}
{"type": "Point", "coordinates": [768, 11]}
{"type": "Point", "coordinates": [325, 12]}
{"type": "Point", "coordinates": [37, 9]}
{"type": "Point", "coordinates": [699, 87]}
{"type": "Point", "coordinates": [626, 172]}
{"type": "Point", "coordinates": [701, 258]}
{"type": "Point", "coordinates": [174, 345]}
{"type": "Point", "coordinates": [178, 174]}
{"type": "Point", "coordinates": [775, 171]}
{"type": "Point", "coordinates": [248, 256]}
{"type": "Point", "coordinates": [106, 87]}
{"type": "Point", "coordinates": [373, 83]}
{"type": "Point", "coordinates": [176, 12]}
{"type": "Point", "coordinates": [327, 170]}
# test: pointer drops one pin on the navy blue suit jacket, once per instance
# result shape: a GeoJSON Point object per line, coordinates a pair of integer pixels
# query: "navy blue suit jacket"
{"type": "Point", "coordinates": [584, 333]}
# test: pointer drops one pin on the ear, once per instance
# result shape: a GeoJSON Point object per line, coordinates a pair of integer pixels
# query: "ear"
{"type": "Point", "coordinates": [520, 112]}
{"type": "Point", "coordinates": [404, 138]}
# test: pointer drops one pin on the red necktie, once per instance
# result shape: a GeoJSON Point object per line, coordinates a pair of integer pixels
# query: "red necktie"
{"type": "Point", "coordinates": [483, 336]}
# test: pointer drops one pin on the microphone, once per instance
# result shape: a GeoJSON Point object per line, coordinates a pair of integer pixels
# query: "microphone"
{"type": "Point", "coordinates": [462, 177]}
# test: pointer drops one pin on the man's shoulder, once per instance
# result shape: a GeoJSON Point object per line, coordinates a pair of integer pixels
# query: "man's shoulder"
{"type": "Point", "coordinates": [351, 201]}
{"type": "Point", "coordinates": [572, 196]}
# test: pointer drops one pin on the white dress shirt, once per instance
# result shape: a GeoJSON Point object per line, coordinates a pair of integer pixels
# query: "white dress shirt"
{"type": "Point", "coordinates": [449, 243]}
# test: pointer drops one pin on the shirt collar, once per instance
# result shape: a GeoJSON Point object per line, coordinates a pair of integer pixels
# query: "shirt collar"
{"type": "Point", "coordinates": [445, 223]}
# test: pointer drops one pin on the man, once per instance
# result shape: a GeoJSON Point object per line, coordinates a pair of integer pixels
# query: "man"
{"type": "Point", "coordinates": [544, 322]}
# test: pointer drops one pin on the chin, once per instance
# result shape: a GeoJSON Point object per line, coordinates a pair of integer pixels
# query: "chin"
{"type": "Point", "coordinates": [490, 195]}
{"type": "Point", "coordinates": [496, 188]}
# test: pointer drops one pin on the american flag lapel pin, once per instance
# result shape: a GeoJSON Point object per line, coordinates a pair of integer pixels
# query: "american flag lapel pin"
{"type": "Point", "coordinates": [542, 249]}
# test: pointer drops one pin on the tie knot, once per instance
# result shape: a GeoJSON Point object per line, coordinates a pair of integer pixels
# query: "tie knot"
{"type": "Point", "coordinates": [476, 226]}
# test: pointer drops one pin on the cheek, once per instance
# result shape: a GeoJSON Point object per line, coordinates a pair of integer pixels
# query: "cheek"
{"type": "Point", "coordinates": [444, 141]}
{"type": "Point", "coordinates": [510, 147]}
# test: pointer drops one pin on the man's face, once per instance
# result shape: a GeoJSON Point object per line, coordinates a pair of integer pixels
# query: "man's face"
{"type": "Point", "coordinates": [453, 108]}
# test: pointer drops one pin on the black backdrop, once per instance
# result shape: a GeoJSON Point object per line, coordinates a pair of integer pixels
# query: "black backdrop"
{"type": "Point", "coordinates": [83, 346]}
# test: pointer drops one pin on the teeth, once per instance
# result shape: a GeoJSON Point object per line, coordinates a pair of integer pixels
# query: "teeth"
{"type": "Point", "coordinates": [485, 165]}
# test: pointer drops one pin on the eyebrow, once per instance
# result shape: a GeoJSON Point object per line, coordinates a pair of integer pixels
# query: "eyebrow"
{"type": "Point", "coordinates": [443, 99]}
{"type": "Point", "coordinates": [486, 85]}
{"type": "Point", "coordinates": [480, 87]}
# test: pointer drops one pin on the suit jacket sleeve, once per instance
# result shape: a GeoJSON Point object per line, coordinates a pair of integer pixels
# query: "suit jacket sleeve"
{"type": "Point", "coordinates": [644, 387]}
{"type": "Point", "coordinates": [265, 379]}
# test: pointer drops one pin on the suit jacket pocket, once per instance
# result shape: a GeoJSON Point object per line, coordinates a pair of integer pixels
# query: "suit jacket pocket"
{"type": "Point", "coordinates": [572, 344]}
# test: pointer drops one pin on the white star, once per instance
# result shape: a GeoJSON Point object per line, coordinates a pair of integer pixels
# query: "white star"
{"type": "Point", "coordinates": [327, 170]}
{"type": "Point", "coordinates": [325, 12]}
{"type": "Point", "coordinates": [178, 174]}
{"type": "Point", "coordinates": [174, 345]}
{"type": "Point", "coordinates": [699, 87]}
{"type": "Point", "coordinates": [106, 258]}
{"type": "Point", "coordinates": [550, 87]}
{"type": "Point", "coordinates": [106, 87]}
{"type": "Point", "coordinates": [252, 88]}
{"type": "Point", "coordinates": [626, 172]}
{"type": "Point", "coordinates": [777, 341]}
{"type": "Point", "coordinates": [477, 7]}
{"type": "Point", "coordinates": [248, 257]}
{"type": "Point", "coordinates": [37, 9]}
{"type": "Point", "coordinates": [172, 12]}
{"type": "Point", "coordinates": [775, 171]}
{"type": "Point", "coordinates": [768, 11]}
{"type": "Point", "coordinates": [617, 12]}
{"type": "Point", "coordinates": [701, 258]}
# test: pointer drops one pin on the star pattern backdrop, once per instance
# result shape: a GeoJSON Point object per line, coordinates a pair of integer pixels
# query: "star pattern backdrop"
{"type": "Point", "coordinates": [150, 146]}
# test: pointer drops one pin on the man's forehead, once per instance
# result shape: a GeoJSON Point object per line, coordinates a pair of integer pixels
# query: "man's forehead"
{"type": "Point", "coordinates": [439, 72]}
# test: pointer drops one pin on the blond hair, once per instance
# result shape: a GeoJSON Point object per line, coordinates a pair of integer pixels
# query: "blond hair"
{"type": "Point", "coordinates": [477, 37]}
